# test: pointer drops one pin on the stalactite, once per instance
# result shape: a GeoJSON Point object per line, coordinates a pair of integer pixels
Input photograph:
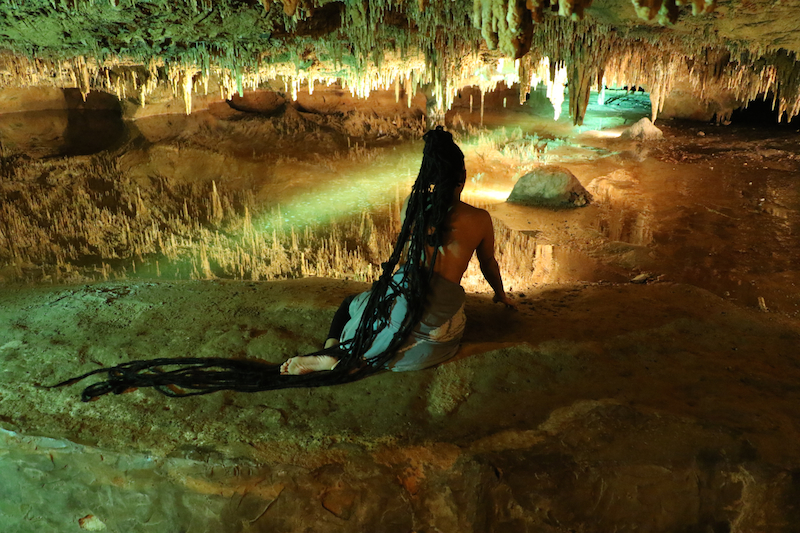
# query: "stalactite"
{"type": "Point", "coordinates": [647, 9]}
{"type": "Point", "coordinates": [531, 73]}
{"type": "Point", "coordinates": [570, 9]}
{"type": "Point", "coordinates": [601, 91]}
{"type": "Point", "coordinates": [483, 99]}
{"type": "Point", "coordinates": [504, 25]}
{"type": "Point", "coordinates": [582, 48]}
{"type": "Point", "coordinates": [668, 10]}
{"type": "Point", "coordinates": [434, 45]}
{"type": "Point", "coordinates": [483, 18]}
{"type": "Point", "coordinates": [581, 74]}
{"type": "Point", "coordinates": [662, 76]}
{"type": "Point", "coordinates": [83, 78]}
{"type": "Point", "coordinates": [525, 76]}
{"type": "Point", "coordinates": [555, 89]}
{"type": "Point", "coordinates": [700, 7]}
{"type": "Point", "coordinates": [188, 76]}
{"type": "Point", "coordinates": [410, 89]}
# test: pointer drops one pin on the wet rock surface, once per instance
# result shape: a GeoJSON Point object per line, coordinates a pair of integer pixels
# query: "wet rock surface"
{"type": "Point", "coordinates": [595, 407]}
{"type": "Point", "coordinates": [549, 186]}
{"type": "Point", "coordinates": [666, 404]}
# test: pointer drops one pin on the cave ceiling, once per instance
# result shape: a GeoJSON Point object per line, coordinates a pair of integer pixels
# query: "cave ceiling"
{"type": "Point", "coordinates": [747, 48]}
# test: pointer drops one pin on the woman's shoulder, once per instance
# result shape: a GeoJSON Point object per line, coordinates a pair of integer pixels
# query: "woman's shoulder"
{"type": "Point", "coordinates": [472, 212]}
{"type": "Point", "coordinates": [469, 208]}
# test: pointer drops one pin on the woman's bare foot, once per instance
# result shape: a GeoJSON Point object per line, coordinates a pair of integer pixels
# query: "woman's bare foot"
{"type": "Point", "coordinates": [305, 364]}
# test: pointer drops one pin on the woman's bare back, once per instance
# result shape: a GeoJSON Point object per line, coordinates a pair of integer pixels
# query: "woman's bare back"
{"type": "Point", "coordinates": [468, 229]}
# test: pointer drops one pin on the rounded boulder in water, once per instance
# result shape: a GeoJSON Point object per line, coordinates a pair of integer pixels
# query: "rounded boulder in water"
{"type": "Point", "coordinates": [550, 186]}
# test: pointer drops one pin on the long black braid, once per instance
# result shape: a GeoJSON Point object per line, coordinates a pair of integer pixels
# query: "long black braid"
{"type": "Point", "coordinates": [432, 195]}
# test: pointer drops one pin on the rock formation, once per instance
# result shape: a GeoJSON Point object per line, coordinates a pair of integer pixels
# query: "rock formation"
{"type": "Point", "coordinates": [222, 47]}
{"type": "Point", "coordinates": [550, 186]}
{"type": "Point", "coordinates": [643, 130]}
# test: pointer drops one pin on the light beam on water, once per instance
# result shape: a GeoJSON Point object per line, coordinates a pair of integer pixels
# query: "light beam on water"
{"type": "Point", "coordinates": [348, 189]}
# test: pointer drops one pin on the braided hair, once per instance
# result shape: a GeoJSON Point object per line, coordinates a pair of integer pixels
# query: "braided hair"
{"type": "Point", "coordinates": [432, 195]}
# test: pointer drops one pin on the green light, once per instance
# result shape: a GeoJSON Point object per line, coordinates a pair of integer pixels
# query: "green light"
{"type": "Point", "coordinates": [348, 190]}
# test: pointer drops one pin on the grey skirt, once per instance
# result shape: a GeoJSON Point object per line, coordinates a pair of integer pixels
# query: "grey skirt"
{"type": "Point", "coordinates": [435, 338]}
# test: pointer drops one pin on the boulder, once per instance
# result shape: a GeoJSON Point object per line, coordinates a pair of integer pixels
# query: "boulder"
{"type": "Point", "coordinates": [550, 186]}
{"type": "Point", "coordinates": [644, 130]}
{"type": "Point", "coordinates": [616, 187]}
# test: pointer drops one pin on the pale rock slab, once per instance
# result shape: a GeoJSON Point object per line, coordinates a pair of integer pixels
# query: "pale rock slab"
{"type": "Point", "coordinates": [644, 130]}
{"type": "Point", "coordinates": [615, 187]}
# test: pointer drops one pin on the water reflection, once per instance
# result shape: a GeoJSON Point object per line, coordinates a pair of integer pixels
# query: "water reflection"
{"type": "Point", "coordinates": [626, 225]}
{"type": "Point", "coordinates": [77, 127]}
{"type": "Point", "coordinates": [720, 212]}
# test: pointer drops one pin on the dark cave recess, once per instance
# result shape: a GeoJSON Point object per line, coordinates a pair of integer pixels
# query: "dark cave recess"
{"type": "Point", "coordinates": [762, 112]}
{"type": "Point", "coordinates": [94, 124]}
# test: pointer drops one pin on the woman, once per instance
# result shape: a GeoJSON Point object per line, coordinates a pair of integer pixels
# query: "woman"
{"type": "Point", "coordinates": [427, 284]}
{"type": "Point", "coordinates": [412, 318]}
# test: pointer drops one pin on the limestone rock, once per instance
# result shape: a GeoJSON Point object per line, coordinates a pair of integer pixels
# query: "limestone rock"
{"type": "Point", "coordinates": [550, 186]}
{"type": "Point", "coordinates": [449, 388]}
{"type": "Point", "coordinates": [644, 130]}
{"type": "Point", "coordinates": [614, 187]}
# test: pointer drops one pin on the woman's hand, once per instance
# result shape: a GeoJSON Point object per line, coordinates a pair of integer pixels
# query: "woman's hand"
{"type": "Point", "coordinates": [505, 300]}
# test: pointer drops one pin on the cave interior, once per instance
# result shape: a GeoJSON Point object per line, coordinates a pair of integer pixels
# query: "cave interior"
{"type": "Point", "coordinates": [210, 178]}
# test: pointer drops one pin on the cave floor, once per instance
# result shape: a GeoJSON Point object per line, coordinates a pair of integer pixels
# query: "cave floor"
{"type": "Point", "coordinates": [648, 382]}
{"type": "Point", "coordinates": [610, 405]}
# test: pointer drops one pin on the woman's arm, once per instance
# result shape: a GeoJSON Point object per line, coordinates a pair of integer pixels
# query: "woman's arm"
{"type": "Point", "coordinates": [488, 262]}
